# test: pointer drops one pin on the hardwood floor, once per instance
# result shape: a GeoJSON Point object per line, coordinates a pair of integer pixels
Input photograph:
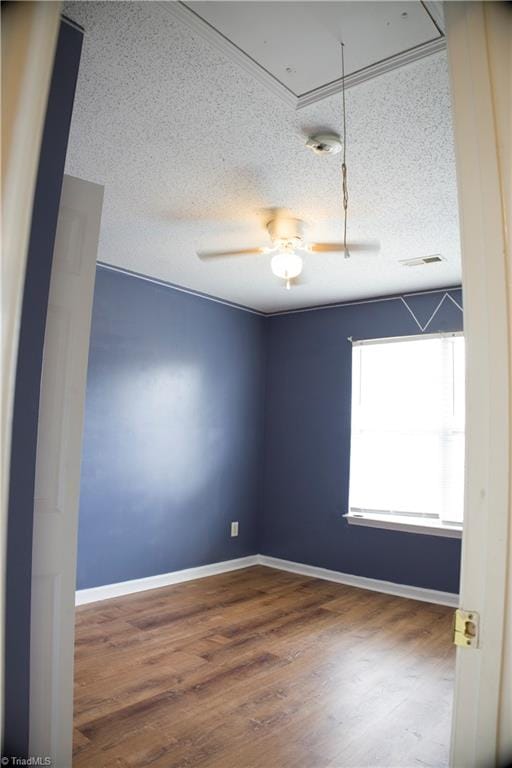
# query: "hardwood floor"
{"type": "Point", "coordinates": [262, 669]}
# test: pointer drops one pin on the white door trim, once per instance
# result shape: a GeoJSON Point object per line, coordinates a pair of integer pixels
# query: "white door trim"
{"type": "Point", "coordinates": [29, 37]}
{"type": "Point", "coordinates": [484, 547]}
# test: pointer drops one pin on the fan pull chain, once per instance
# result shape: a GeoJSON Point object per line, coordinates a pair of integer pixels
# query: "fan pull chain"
{"type": "Point", "coordinates": [345, 208]}
{"type": "Point", "coordinates": [344, 182]}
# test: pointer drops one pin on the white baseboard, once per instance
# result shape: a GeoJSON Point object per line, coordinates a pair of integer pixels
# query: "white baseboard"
{"type": "Point", "coordinates": [83, 596]}
{"type": "Point", "coordinates": [375, 585]}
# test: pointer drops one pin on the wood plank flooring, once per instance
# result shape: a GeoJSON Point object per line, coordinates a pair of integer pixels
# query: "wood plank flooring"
{"type": "Point", "coordinates": [262, 669]}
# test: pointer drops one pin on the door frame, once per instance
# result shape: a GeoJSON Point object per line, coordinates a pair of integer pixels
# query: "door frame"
{"type": "Point", "coordinates": [479, 672]}
{"type": "Point", "coordinates": [29, 39]}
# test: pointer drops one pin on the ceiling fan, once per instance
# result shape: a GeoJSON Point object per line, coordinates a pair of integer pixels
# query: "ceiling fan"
{"type": "Point", "coordinates": [287, 236]}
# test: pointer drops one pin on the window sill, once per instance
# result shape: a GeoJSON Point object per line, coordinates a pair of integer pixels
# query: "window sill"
{"type": "Point", "coordinates": [428, 526]}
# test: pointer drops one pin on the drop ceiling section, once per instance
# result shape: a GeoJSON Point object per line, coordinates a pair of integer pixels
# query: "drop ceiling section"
{"type": "Point", "coordinates": [298, 44]}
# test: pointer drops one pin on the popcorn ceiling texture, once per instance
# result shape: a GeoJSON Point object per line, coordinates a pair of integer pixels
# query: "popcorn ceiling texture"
{"type": "Point", "coordinates": [193, 152]}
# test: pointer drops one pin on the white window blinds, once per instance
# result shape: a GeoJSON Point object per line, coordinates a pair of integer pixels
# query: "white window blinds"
{"type": "Point", "coordinates": [407, 441]}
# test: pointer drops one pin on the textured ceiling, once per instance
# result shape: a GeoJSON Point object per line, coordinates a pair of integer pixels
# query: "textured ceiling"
{"type": "Point", "coordinates": [193, 152]}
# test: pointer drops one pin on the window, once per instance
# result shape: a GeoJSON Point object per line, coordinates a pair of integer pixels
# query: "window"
{"type": "Point", "coordinates": [407, 440]}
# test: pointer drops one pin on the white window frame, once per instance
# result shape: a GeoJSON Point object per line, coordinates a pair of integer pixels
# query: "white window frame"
{"type": "Point", "coordinates": [411, 522]}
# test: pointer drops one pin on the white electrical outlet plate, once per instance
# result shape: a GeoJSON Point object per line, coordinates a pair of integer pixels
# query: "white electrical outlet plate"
{"type": "Point", "coordinates": [234, 528]}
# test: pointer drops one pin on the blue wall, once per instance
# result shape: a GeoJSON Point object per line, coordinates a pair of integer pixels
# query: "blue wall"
{"type": "Point", "coordinates": [28, 376]}
{"type": "Point", "coordinates": [307, 445]}
{"type": "Point", "coordinates": [173, 432]}
{"type": "Point", "coordinates": [198, 414]}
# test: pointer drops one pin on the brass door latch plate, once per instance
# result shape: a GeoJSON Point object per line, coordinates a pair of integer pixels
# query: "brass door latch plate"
{"type": "Point", "coordinates": [466, 628]}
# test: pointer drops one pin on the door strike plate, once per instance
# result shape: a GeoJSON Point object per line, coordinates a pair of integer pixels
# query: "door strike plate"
{"type": "Point", "coordinates": [466, 626]}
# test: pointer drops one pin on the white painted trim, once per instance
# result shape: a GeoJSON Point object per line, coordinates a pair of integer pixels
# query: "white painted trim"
{"type": "Point", "coordinates": [179, 288]}
{"type": "Point", "coordinates": [84, 596]}
{"type": "Point", "coordinates": [278, 313]}
{"type": "Point", "coordinates": [407, 525]}
{"type": "Point", "coordinates": [362, 582]}
{"type": "Point", "coordinates": [355, 302]}
{"type": "Point", "coordinates": [435, 9]}
{"type": "Point", "coordinates": [411, 337]}
{"type": "Point", "coordinates": [374, 70]}
{"type": "Point", "coordinates": [434, 313]}
{"type": "Point", "coordinates": [29, 37]}
{"type": "Point", "coordinates": [196, 23]}
{"type": "Point", "coordinates": [95, 594]}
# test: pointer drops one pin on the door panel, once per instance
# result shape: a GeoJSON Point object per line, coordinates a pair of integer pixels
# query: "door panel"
{"type": "Point", "coordinates": [57, 487]}
{"type": "Point", "coordinates": [479, 677]}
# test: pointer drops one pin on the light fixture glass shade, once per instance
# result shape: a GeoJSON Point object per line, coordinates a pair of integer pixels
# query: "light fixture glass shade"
{"type": "Point", "coordinates": [286, 264]}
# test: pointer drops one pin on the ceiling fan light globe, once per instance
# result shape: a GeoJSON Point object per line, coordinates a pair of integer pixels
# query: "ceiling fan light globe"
{"type": "Point", "coordinates": [286, 265]}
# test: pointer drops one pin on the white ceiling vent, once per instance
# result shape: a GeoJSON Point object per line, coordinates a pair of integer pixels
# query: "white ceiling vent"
{"type": "Point", "coordinates": [435, 258]}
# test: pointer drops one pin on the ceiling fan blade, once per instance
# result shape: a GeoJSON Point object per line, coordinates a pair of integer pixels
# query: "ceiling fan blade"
{"type": "Point", "coordinates": [228, 254]}
{"type": "Point", "coordinates": [369, 246]}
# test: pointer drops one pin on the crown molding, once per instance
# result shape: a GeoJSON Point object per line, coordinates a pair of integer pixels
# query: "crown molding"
{"type": "Point", "coordinates": [179, 10]}
{"type": "Point", "coordinates": [434, 8]}
{"type": "Point", "coordinates": [279, 312]}
{"type": "Point", "coordinates": [374, 70]}
{"type": "Point", "coordinates": [197, 24]}
{"type": "Point", "coordinates": [375, 300]}
{"type": "Point", "coordinates": [179, 288]}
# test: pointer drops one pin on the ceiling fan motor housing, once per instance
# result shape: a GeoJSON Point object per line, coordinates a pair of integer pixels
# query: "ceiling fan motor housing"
{"type": "Point", "coordinates": [284, 230]}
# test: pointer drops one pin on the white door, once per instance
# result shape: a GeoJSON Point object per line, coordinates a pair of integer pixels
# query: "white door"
{"type": "Point", "coordinates": [57, 486]}
{"type": "Point", "coordinates": [479, 37]}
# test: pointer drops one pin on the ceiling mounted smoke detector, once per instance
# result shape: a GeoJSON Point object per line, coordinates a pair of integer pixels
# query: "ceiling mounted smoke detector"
{"type": "Point", "coordinates": [324, 144]}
